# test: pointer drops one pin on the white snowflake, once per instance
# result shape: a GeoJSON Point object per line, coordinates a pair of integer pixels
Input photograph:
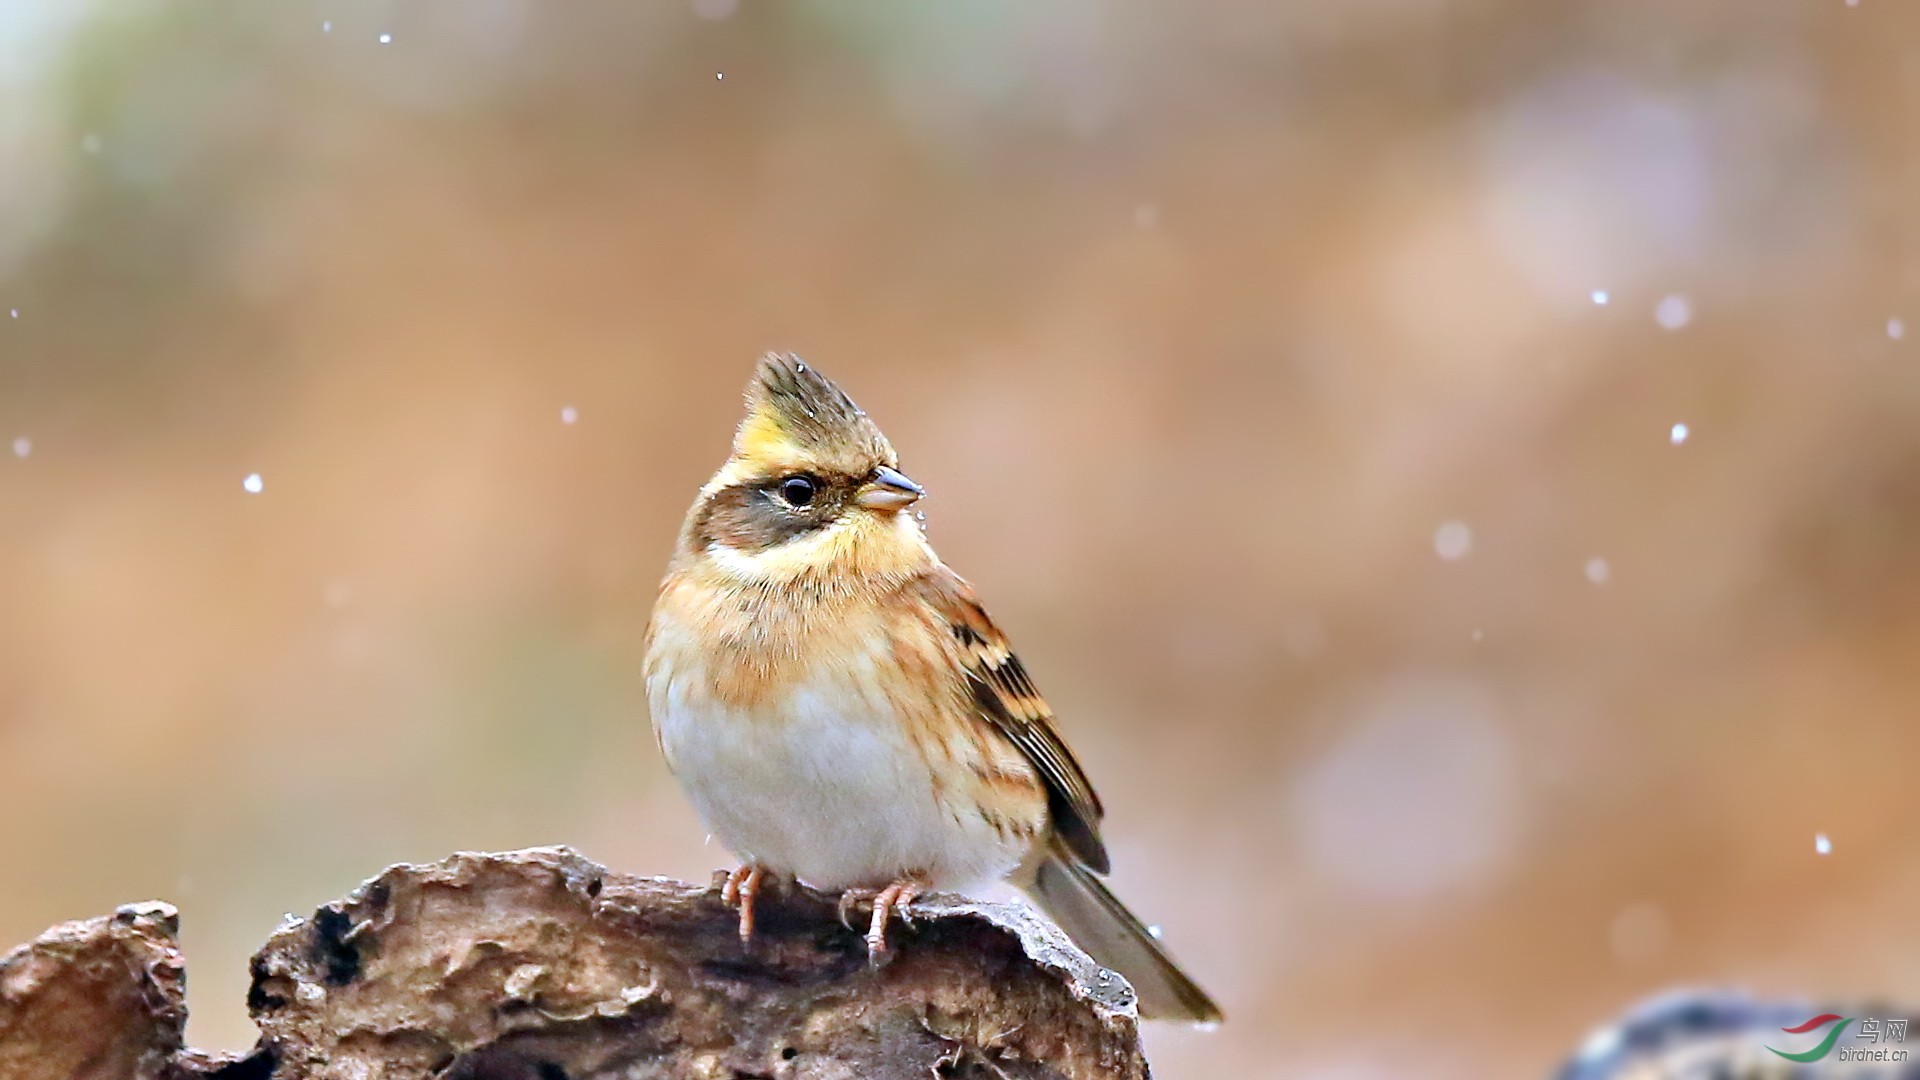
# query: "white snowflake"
{"type": "Point", "coordinates": [1452, 541]}
{"type": "Point", "coordinates": [1673, 312]}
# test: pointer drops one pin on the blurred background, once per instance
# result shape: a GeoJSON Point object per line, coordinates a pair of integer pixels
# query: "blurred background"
{"type": "Point", "coordinates": [1454, 465]}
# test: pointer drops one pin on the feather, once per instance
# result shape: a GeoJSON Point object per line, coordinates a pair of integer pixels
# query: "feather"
{"type": "Point", "coordinates": [796, 414]}
{"type": "Point", "coordinates": [1099, 923]}
{"type": "Point", "coordinates": [1006, 697]}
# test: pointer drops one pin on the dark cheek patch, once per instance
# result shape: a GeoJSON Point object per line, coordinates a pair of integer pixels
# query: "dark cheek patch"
{"type": "Point", "coordinates": [747, 518]}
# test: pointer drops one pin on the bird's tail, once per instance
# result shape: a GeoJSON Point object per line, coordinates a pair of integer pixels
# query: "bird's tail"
{"type": "Point", "coordinates": [1095, 919]}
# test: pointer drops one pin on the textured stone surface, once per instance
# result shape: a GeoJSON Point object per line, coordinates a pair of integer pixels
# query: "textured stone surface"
{"type": "Point", "coordinates": [541, 965]}
{"type": "Point", "coordinates": [99, 999]}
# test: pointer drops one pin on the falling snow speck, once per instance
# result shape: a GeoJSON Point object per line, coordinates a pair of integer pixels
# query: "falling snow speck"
{"type": "Point", "coordinates": [1598, 571]}
{"type": "Point", "coordinates": [1673, 312]}
{"type": "Point", "coordinates": [1452, 541]}
{"type": "Point", "coordinates": [1678, 435]}
{"type": "Point", "coordinates": [1600, 297]}
{"type": "Point", "coordinates": [1822, 845]}
{"type": "Point", "coordinates": [569, 415]}
{"type": "Point", "coordinates": [1896, 329]}
{"type": "Point", "coordinates": [386, 39]}
{"type": "Point", "coordinates": [326, 27]}
{"type": "Point", "coordinates": [253, 484]}
{"type": "Point", "coordinates": [719, 74]}
{"type": "Point", "coordinates": [14, 313]}
{"type": "Point", "coordinates": [22, 446]}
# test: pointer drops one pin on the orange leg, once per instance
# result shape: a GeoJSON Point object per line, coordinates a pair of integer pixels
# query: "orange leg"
{"type": "Point", "coordinates": [893, 899]}
{"type": "Point", "coordinates": [742, 888]}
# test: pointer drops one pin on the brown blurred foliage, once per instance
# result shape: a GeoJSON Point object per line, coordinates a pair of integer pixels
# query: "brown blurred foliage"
{"type": "Point", "coordinates": [1297, 382]}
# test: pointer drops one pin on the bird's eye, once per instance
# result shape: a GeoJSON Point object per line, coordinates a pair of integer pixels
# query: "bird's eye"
{"type": "Point", "coordinates": [799, 490]}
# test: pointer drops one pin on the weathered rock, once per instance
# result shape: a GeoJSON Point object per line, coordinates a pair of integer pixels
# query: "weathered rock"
{"type": "Point", "coordinates": [101, 999]}
{"type": "Point", "coordinates": [540, 965]}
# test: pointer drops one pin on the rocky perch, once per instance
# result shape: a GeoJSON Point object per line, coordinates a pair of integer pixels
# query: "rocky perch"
{"type": "Point", "coordinates": [541, 965]}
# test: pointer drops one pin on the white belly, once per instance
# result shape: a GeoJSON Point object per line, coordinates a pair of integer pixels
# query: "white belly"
{"type": "Point", "coordinates": [827, 787]}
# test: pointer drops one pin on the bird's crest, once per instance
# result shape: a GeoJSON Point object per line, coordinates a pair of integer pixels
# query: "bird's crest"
{"type": "Point", "coordinates": [796, 414]}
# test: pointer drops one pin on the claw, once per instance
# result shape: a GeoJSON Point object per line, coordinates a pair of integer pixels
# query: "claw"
{"type": "Point", "coordinates": [851, 899]}
{"type": "Point", "coordinates": [741, 889]}
{"type": "Point", "coordinates": [895, 897]}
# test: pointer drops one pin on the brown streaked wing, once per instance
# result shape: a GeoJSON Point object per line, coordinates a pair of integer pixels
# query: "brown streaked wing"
{"type": "Point", "coordinates": [1008, 700]}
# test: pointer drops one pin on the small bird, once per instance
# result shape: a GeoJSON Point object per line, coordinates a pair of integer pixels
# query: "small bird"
{"type": "Point", "coordinates": [842, 712]}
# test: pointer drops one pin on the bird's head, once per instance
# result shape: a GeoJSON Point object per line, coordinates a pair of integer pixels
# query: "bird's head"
{"type": "Point", "coordinates": [812, 489]}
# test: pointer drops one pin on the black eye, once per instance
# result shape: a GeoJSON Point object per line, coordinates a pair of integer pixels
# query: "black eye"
{"type": "Point", "coordinates": [799, 490]}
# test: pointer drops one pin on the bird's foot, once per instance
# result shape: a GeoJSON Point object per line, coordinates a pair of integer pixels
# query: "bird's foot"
{"type": "Point", "coordinates": [887, 902]}
{"type": "Point", "coordinates": [741, 888]}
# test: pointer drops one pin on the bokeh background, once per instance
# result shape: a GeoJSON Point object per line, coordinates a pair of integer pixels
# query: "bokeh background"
{"type": "Point", "coordinates": [1453, 464]}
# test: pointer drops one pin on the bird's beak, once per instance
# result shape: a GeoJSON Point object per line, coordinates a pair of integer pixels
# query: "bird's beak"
{"type": "Point", "coordinates": [889, 490]}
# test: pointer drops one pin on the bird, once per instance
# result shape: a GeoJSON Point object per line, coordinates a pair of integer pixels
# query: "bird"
{"type": "Point", "coordinates": [842, 712]}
